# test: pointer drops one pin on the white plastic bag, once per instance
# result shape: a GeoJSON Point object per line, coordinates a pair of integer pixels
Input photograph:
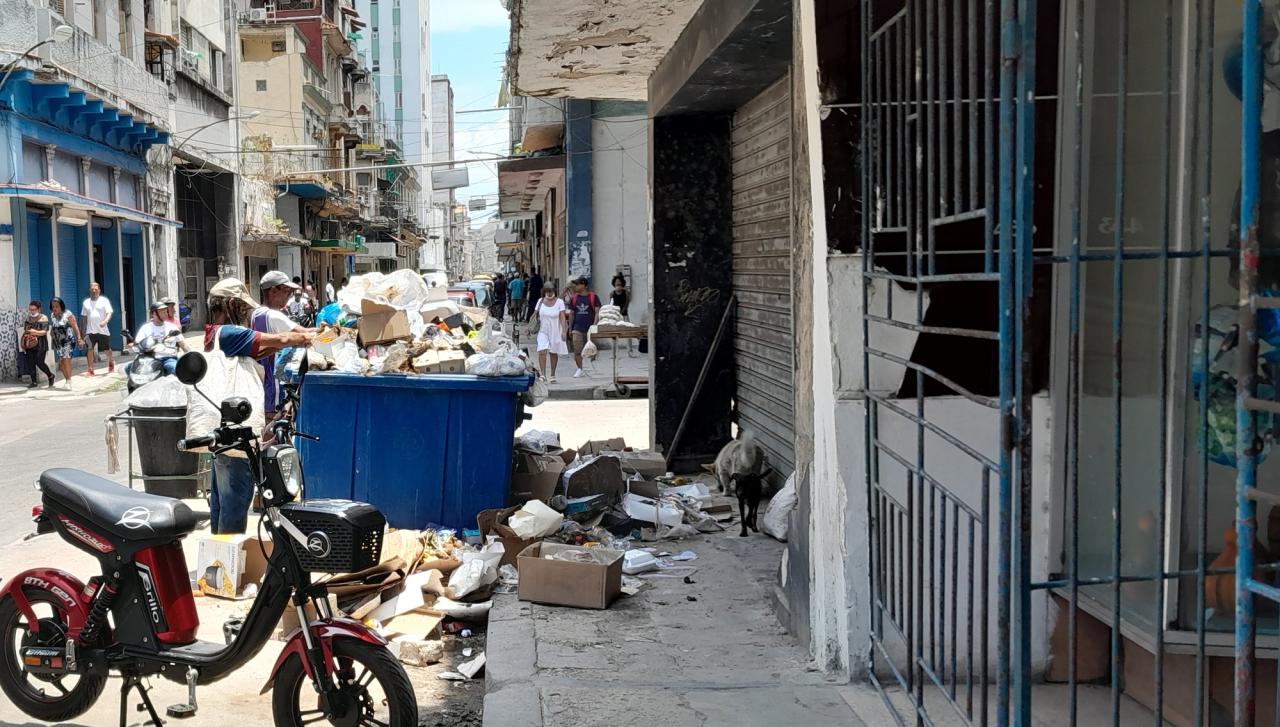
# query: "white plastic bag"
{"type": "Point", "coordinates": [471, 576]}
{"type": "Point", "coordinates": [224, 378]}
{"type": "Point", "coordinates": [537, 393]}
{"type": "Point", "coordinates": [540, 441]}
{"type": "Point", "coordinates": [535, 520]}
{"type": "Point", "coordinates": [778, 514]}
{"type": "Point", "coordinates": [650, 511]}
{"type": "Point", "coordinates": [164, 392]}
{"type": "Point", "coordinates": [492, 339]}
{"type": "Point", "coordinates": [495, 364]}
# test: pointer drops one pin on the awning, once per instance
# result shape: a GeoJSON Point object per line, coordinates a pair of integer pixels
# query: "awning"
{"type": "Point", "coordinates": [79, 202]}
{"type": "Point", "coordinates": [338, 247]}
{"type": "Point", "coordinates": [347, 9]}
{"type": "Point", "coordinates": [275, 238]}
{"type": "Point", "coordinates": [523, 184]}
{"type": "Point", "coordinates": [305, 189]}
{"type": "Point", "coordinates": [161, 39]}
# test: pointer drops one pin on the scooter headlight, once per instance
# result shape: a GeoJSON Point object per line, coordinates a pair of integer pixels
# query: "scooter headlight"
{"type": "Point", "coordinates": [282, 469]}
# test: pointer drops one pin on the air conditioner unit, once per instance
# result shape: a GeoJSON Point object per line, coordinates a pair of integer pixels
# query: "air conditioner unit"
{"type": "Point", "coordinates": [190, 64]}
{"type": "Point", "coordinates": [257, 15]}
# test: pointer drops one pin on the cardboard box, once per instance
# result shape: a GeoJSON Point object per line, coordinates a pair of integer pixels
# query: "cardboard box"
{"type": "Point", "coordinates": [289, 619]}
{"type": "Point", "coordinates": [535, 476]}
{"type": "Point", "coordinates": [598, 475]}
{"type": "Point", "coordinates": [225, 564]}
{"type": "Point", "coordinates": [645, 463]}
{"type": "Point", "coordinates": [494, 522]}
{"type": "Point", "coordinates": [440, 362]}
{"type": "Point", "coordinates": [596, 446]}
{"type": "Point", "coordinates": [570, 583]}
{"type": "Point", "coordinates": [382, 323]}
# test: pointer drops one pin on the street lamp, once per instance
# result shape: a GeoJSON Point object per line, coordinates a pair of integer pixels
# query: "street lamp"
{"type": "Point", "coordinates": [59, 34]}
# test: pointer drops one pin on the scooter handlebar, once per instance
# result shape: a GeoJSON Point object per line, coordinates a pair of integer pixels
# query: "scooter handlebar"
{"type": "Point", "coordinates": [194, 442]}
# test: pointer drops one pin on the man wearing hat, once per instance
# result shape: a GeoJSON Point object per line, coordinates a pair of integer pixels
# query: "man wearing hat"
{"type": "Point", "coordinates": [166, 334]}
{"type": "Point", "coordinates": [230, 311]}
{"type": "Point", "coordinates": [270, 317]}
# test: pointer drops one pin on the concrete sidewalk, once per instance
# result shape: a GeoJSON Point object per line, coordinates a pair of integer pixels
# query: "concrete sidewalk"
{"type": "Point", "coordinates": [708, 651]}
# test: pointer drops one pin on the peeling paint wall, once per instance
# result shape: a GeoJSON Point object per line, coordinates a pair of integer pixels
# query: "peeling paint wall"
{"type": "Point", "coordinates": [601, 49]}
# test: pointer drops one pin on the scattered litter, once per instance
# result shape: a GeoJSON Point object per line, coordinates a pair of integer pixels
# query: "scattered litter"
{"type": "Point", "coordinates": [686, 555]}
{"type": "Point", "coordinates": [776, 517]}
{"type": "Point", "coordinates": [451, 676]}
{"type": "Point", "coordinates": [631, 586]}
{"type": "Point", "coordinates": [535, 520]}
{"type": "Point", "coordinates": [638, 561]}
{"type": "Point", "coordinates": [467, 652]}
{"type": "Point", "coordinates": [465, 633]}
{"type": "Point", "coordinates": [462, 611]}
{"type": "Point", "coordinates": [691, 598]}
{"type": "Point", "coordinates": [472, 576]}
{"type": "Point", "coordinates": [469, 669]}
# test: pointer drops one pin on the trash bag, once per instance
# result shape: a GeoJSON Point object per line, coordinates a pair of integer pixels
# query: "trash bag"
{"type": "Point", "coordinates": [472, 576]}
{"type": "Point", "coordinates": [537, 393]}
{"type": "Point", "coordinates": [540, 441]}
{"type": "Point", "coordinates": [778, 515]}
{"type": "Point", "coordinates": [495, 364]}
{"type": "Point", "coordinates": [329, 315]}
{"type": "Point", "coordinates": [165, 392]}
{"type": "Point", "coordinates": [492, 339]}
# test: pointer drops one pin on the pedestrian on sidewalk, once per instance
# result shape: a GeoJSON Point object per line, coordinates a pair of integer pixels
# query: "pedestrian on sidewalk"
{"type": "Point", "coordinates": [535, 289]}
{"type": "Point", "coordinates": [585, 307]}
{"type": "Point", "coordinates": [499, 307]}
{"type": "Point", "coordinates": [552, 320]}
{"type": "Point", "coordinates": [96, 312]}
{"type": "Point", "coordinates": [515, 290]}
{"type": "Point", "coordinates": [230, 310]}
{"type": "Point", "coordinates": [34, 342]}
{"type": "Point", "coordinates": [66, 337]}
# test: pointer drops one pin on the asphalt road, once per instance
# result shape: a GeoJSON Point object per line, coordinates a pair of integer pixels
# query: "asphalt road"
{"type": "Point", "coordinates": [36, 435]}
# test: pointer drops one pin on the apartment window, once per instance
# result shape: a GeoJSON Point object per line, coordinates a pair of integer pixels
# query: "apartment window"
{"type": "Point", "coordinates": [85, 14]}
{"type": "Point", "coordinates": [376, 67]}
{"type": "Point", "coordinates": [126, 41]}
{"type": "Point", "coordinates": [399, 100]}
{"type": "Point", "coordinates": [395, 3]}
{"type": "Point", "coordinates": [375, 33]}
{"type": "Point", "coordinates": [187, 41]}
{"type": "Point", "coordinates": [216, 69]}
{"type": "Point", "coordinates": [277, 46]}
{"type": "Point", "coordinates": [395, 33]}
{"type": "Point", "coordinates": [260, 85]}
{"type": "Point", "coordinates": [397, 65]}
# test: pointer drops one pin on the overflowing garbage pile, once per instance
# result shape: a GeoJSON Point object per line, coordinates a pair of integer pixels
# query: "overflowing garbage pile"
{"type": "Point", "coordinates": [395, 323]}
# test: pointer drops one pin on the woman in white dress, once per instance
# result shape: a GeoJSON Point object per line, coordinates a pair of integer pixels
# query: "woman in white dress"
{"type": "Point", "coordinates": [553, 319]}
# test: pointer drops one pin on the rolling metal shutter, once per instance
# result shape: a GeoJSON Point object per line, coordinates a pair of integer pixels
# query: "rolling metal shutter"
{"type": "Point", "coordinates": [764, 342]}
{"type": "Point", "coordinates": [68, 283]}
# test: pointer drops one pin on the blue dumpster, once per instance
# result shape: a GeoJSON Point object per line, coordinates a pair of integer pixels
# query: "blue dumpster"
{"type": "Point", "coordinates": [425, 450]}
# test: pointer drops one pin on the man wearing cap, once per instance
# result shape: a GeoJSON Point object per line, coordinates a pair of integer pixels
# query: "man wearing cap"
{"type": "Point", "coordinates": [230, 310]}
{"type": "Point", "coordinates": [270, 318]}
{"type": "Point", "coordinates": [585, 308]}
{"type": "Point", "coordinates": [166, 334]}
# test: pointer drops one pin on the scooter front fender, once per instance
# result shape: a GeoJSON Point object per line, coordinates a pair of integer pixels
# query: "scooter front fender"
{"type": "Point", "coordinates": [63, 586]}
{"type": "Point", "coordinates": [324, 630]}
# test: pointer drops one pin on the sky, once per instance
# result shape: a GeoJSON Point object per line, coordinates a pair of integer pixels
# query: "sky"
{"type": "Point", "coordinates": [469, 44]}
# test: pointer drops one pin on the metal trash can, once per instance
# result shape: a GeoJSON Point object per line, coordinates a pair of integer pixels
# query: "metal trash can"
{"type": "Point", "coordinates": [166, 470]}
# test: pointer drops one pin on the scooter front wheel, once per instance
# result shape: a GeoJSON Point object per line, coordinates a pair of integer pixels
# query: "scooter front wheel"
{"type": "Point", "coordinates": [45, 697]}
{"type": "Point", "coordinates": [372, 689]}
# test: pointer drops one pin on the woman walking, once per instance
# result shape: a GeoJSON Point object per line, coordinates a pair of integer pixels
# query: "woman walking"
{"type": "Point", "coordinates": [35, 343]}
{"type": "Point", "coordinates": [552, 319]}
{"type": "Point", "coordinates": [66, 337]}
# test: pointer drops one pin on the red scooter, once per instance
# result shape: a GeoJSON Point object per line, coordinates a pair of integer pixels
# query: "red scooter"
{"type": "Point", "coordinates": [57, 645]}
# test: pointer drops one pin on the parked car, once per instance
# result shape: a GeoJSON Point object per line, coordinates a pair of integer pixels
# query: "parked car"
{"type": "Point", "coordinates": [483, 291]}
{"type": "Point", "coordinates": [462, 297]}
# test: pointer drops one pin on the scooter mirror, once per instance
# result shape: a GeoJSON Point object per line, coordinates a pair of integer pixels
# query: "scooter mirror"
{"type": "Point", "coordinates": [191, 368]}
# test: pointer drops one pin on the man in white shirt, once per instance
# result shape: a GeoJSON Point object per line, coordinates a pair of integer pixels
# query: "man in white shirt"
{"type": "Point", "coordinates": [96, 312]}
{"type": "Point", "coordinates": [276, 289]}
{"type": "Point", "coordinates": [166, 334]}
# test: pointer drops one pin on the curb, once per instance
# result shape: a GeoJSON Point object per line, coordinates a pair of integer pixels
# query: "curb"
{"type": "Point", "coordinates": [511, 699]}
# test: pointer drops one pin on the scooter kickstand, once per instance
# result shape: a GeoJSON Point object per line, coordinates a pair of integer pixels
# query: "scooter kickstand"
{"type": "Point", "coordinates": [132, 682]}
{"type": "Point", "coordinates": [182, 711]}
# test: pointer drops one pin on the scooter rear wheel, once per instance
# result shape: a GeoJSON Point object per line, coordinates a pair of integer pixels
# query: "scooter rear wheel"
{"type": "Point", "coordinates": [45, 698]}
{"type": "Point", "coordinates": [373, 689]}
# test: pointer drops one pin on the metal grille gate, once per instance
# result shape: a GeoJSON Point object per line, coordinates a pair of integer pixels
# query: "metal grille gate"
{"type": "Point", "coordinates": [1059, 167]}
{"type": "Point", "coordinates": [764, 343]}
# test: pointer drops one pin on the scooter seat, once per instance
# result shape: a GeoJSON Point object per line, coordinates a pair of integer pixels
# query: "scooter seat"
{"type": "Point", "coordinates": [115, 509]}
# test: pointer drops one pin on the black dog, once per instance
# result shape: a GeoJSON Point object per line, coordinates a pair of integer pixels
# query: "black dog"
{"type": "Point", "coordinates": [750, 488]}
